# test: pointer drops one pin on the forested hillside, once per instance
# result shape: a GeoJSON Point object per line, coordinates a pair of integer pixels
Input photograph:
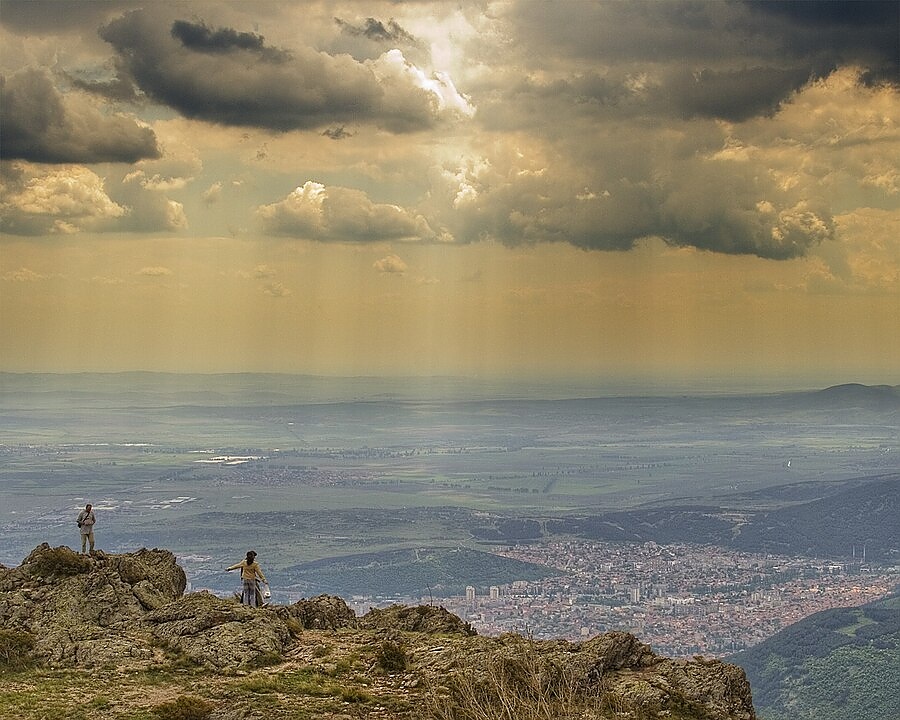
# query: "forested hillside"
{"type": "Point", "coordinates": [841, 664]}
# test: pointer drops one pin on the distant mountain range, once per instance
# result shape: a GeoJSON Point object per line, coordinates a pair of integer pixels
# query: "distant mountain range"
{"type": "Point", "coordinates": [152, 389]}
{"type": "Point", "coordinates": [860, 517]}
{"type": "Point", "coordinates": [840, 664]}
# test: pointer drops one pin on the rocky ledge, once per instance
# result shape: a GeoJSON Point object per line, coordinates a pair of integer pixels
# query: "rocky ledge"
{"type": "Point", "coordinates": [129, 612]}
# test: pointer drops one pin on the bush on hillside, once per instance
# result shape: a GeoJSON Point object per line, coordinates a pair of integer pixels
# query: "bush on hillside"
{"type": "Point", "coordinates": [391, 656]}
{"type": "Point", "coordinates": [15, 649]}
{"type": "Point", "coordinates": [60, 561]}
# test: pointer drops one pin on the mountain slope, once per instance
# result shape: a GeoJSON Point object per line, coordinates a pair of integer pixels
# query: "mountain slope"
{"type": "Point", "coordinates": [860, 516]}
{"type": "Point", "coordinates": [841, 664]}
{"type": "Point", "coordinates": [863, 515]}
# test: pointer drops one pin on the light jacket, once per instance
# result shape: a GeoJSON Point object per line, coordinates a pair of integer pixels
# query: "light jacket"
{"type": "Point", "coordinates": [87, 521]}
{"type": "Point", "coordinates": [249, 571]}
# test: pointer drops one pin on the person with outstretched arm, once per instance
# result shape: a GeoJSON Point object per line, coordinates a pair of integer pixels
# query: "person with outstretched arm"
{"type": "Point", "coordinates": [250, 573]}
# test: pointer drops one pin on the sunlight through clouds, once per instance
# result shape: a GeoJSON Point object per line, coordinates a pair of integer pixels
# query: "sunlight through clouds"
{"type": "Point", "coordinates": [521, 174]}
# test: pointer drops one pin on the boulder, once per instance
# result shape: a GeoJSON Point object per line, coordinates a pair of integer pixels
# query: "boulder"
{"type": "Point", "coordinates": [220, 633]}
{"type": "Point", "coordinates": [429, 619]}
{"type": "Point", "coordinates": [324, 612]}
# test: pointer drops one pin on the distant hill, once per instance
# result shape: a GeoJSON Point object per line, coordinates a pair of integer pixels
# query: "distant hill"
{"type": "Point", "coordinates": [215, 390]}
{"type": "Point", "coordinates": [410, 572]}
{"type": "Point", "coordinates": [861, 394]}
{"type": "Point", "coordinates": [841, 664]}
{"type": "Point", "coordinates": [863, 515]}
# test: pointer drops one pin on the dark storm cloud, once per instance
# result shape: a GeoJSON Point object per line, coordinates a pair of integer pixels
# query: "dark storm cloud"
{"type": "Point", "coordinates": [58, 17]}
{"type": "Point", "coordinates": [337, 133]}
{"type": "Point", "coordinates": [377, 31]}
{"type": "Point", "coordinates": [833, 13]}
{"type": "Point", "coordinates": [199, 37]}
{"type": "Point", "coordinates": [732, 94]}
{"type": "Point", "coordinates": [714, 59]}
{"type": "Point", "coordinates": [118, 89]}
{"type": "Point", "coordinates": [235, 79]}
{"type": "Point", "coordinates": [638, 186]}
{"type": "Point", "coordinates": [625, 32]}
{"type": "Point", "coordinates": [368, 39]}
{"type": "Point", "coordinates": [702, 215]}
{"type": "Point", "coordinates": [41, 126]}
{"type": "Point", "coordinates": [838, 32]}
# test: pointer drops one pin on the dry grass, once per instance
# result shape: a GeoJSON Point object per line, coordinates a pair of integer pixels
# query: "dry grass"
{"type": "Point", "coordinates": [519, 685]}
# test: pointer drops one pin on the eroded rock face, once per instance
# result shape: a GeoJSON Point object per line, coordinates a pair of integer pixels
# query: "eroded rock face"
{"type": "Point", "coordinates": [722, 689]}
{"type": "Point", "coordinates": [323, 612]}
{"type": "Point", "coordinates": [219, 633]}
{"type": "Point", "coordinates": [611, 675]}
{"type": "Point", "coordinates": [614, 651]}
{"type": "Point", "coordinates": [87, 611]}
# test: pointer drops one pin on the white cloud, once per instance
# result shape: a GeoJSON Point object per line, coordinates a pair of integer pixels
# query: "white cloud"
{"type": "Point", "coordinates": [316, 212]}
{"type": "Point", "coordinates": [393, 69]}
{"type": "Point", "coordinates": [23, 275]}
{"type": "Point", "coordinates": [175, 216]}
{"type": "Point", "coordinates": [276, 290]}
{"type": "Point", "coordinates": [212, 194]}
{"type": "Point", "coordinates": [263, 271]}
{"type": "Point", "coordinates": [67, 198]}
{"type": "Point", "coordinates": [390, 264]}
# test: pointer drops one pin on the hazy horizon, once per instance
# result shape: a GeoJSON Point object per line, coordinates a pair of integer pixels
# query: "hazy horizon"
{"type": "Point", "coordinates": [294, 387]}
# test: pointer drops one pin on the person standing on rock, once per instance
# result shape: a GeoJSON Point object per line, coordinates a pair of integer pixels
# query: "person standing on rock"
{"type": "Point", "coordinates": [250, 573]}
{"type": "Point", "coordinates": [86, 521]}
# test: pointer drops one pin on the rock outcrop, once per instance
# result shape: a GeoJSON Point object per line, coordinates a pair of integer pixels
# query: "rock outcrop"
{"type": "Point", "coordinates": [130, 610]}
{"type": "Point", "coordinates": [422, 619]}
{"type": "Point", "coordinates": [88, 611]}
{"type": "Point", "coordinates": [324, 612]}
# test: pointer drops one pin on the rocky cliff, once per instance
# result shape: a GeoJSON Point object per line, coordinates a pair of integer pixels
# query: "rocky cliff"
{"type": "Point", "coordinates": [121, 620]}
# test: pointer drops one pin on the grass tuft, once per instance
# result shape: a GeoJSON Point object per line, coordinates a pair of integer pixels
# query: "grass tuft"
{"type": "Point", "coordinates": [185, 707]}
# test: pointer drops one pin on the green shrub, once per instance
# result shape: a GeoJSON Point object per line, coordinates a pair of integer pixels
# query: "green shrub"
{"type": "Point", "coordinates": [356, 696]}
{"type": "Point", "coordinates": [391, 656]}
{"type": "Point", "coordinates": [261, 685]}
{"type": "Point", "coordinates": [184, 707]}
{"type": "Point", "coordinates": [294, 626]}
{"type": "Point", "coordinates": [60, 561]}
{"type": "Point", "coordinates": [266, 659]}
{"type": "Point", "coordinates": [15, 649]}
{"type": "Point", "coordinates": [101, 702]}
{"type": "Point", "coordinates": [320, 651]}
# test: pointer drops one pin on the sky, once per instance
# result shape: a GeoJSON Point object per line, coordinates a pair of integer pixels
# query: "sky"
{"type": "Point", "coordinates": [521, 189]}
